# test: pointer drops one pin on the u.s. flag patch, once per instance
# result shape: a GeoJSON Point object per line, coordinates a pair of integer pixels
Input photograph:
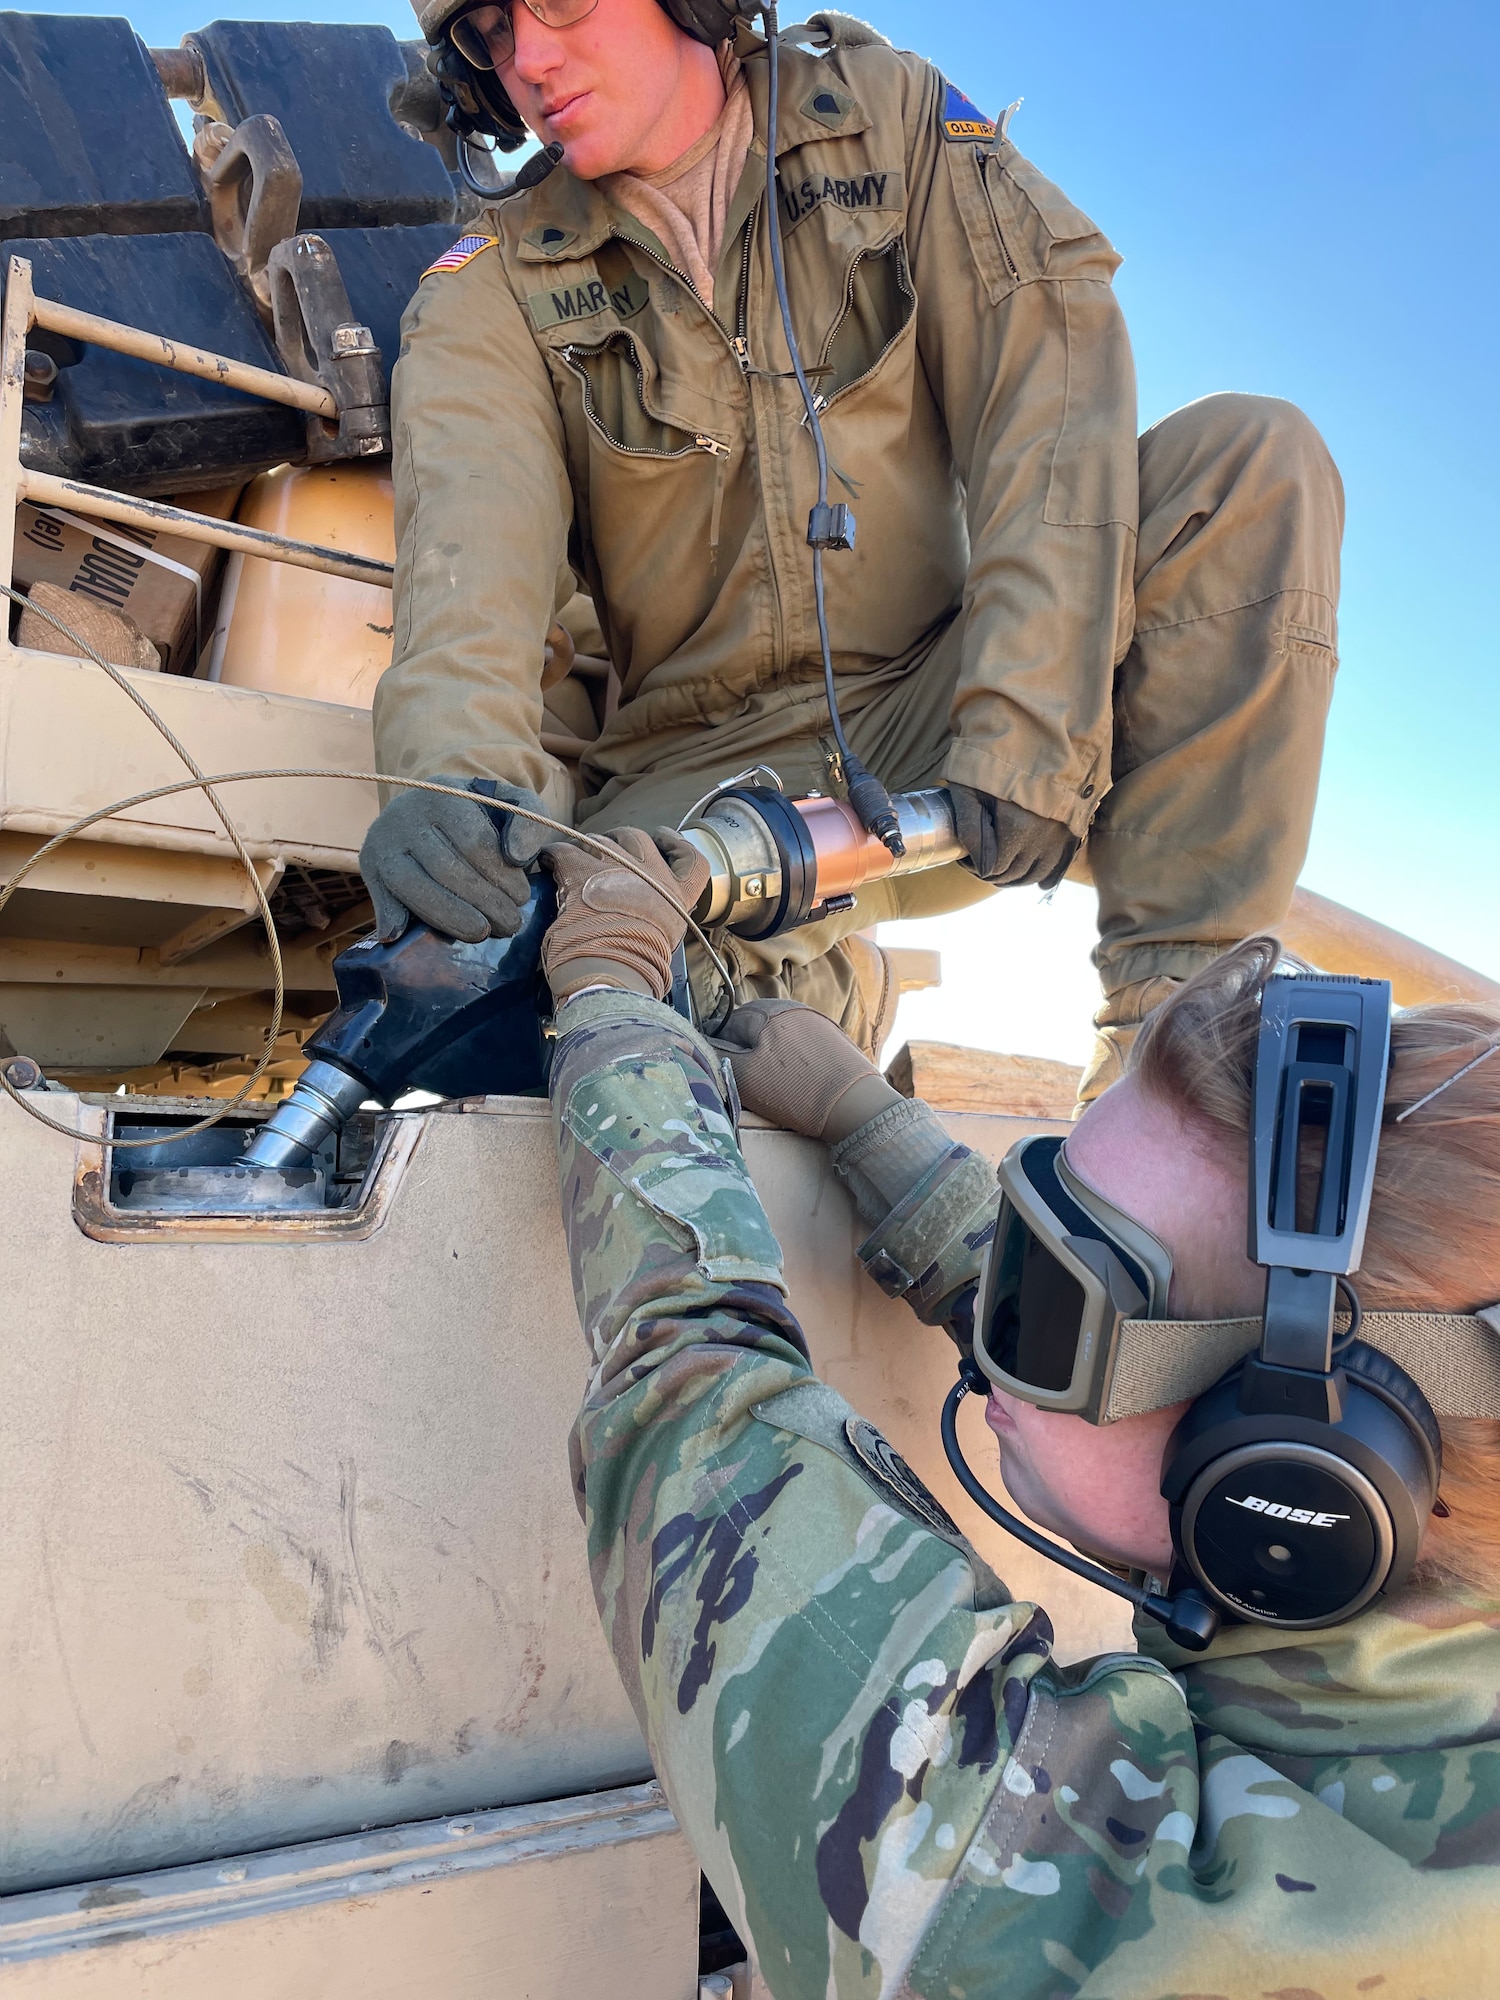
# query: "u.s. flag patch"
{"type": "Point", "coordinates": [963, 120]}
{"type": "Point", "coordinates": [464, 251]}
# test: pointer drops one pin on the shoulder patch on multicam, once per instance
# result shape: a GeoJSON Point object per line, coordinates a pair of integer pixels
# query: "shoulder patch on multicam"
{"type": "Point", "coordinates": [464, 251]}
{"type": "Point", "coordinates": [963, 119]}
{"type": "Point", "coordinates": [891, 1470]}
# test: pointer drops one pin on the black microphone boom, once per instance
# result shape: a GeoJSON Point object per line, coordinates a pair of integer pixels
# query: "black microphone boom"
{"type": "Point", "coordinates": [1191, 1622]}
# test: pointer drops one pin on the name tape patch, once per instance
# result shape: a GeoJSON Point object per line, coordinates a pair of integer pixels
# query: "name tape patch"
{"type": "Point", "coordinates": [464, 251]}
{"type": "Point", "coordinates": [569, 303]}
{"type": "Point", "coordinates": [963, 120]}
{"type": "Point", "coordinates": [874, 190]}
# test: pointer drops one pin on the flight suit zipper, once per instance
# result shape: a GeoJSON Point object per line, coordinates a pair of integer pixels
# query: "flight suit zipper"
{"type": "Point", "coordinates": [701, 441]}
{"type": "Point", "coordinates": [741, 339]}
{"type": "Point", "coordinates": [739, 347]}
{"type": "Point", "coordinates": [737, 340]}
{"type": "Point", "coordinates": [906, 292]}
{"type": "Point", "coordinates": [980, 159]}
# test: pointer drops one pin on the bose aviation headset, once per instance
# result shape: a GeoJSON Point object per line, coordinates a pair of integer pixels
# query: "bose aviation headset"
{"type": "Point", "coordinates": [1299, 1483]}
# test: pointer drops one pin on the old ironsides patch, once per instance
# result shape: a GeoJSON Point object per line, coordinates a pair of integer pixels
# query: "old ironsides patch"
{"type": "Point", "coordinates": [891, 1471]}
{"type": "Point", "coordinates": [963, 119]}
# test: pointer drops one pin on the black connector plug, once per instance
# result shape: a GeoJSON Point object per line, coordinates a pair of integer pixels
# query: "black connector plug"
{"type": "Point", "coordinates": [830, 526]}
{"type": "Point", "coordinates": [872, 802]}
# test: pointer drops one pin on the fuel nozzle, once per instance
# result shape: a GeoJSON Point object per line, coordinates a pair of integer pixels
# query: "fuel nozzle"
{"type": "Point", "coordinates": [323, 1099]}
{"type": "Point", "coordinates": [428, 1012]}
{"type": "Point", "coordinates": [421, 1012]}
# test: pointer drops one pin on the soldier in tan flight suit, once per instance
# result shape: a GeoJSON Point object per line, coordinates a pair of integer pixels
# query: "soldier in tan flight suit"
{"type": "Point", "coordinates": [1117, 652]}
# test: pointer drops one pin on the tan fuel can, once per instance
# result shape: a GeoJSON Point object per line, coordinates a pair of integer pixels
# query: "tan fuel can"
{"type": "Point", "coordinates": [296, 631]}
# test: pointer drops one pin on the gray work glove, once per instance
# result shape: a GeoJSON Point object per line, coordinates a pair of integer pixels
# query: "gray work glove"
{"type": "Point", "coordinates": [446, 862]}
{"type": "Point", "coordinates": [1008, 845]}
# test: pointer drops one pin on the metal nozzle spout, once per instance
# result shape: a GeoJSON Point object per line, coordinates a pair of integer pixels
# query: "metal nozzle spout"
{"type": "Point", "coordinates": [321, 1102]}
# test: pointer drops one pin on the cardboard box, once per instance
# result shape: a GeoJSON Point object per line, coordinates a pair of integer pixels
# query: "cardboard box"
{"type": "Point", "coordinates": [113, 634]}
{"type": "Point", "coordinates": [161, 582]}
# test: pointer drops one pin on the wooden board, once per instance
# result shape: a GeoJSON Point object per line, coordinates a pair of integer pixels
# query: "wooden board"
{"type": "Point", "coordinates": [950, 1078]}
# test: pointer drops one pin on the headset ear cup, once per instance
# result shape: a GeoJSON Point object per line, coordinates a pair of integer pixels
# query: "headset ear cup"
{"type": "Point", "coordinates": [477, 100]}
{"type": "Point", "coordinates": [1391, 1383]}
{"type": "Point", "coordinates": [1387, 1436]}
{"type": "Point", "coordinates": [707, 21]}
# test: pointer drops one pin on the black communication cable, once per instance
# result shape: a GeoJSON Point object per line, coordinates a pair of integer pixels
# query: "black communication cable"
{"type": "Point", "coordinates": [829, 527]}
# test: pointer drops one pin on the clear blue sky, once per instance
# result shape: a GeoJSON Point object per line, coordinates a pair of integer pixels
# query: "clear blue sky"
{"type": "Point", "coordinates": [1306, 195]}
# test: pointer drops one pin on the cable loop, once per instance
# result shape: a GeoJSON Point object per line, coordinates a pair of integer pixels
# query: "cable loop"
{"type": "Point", "coordinates": [201, 781]}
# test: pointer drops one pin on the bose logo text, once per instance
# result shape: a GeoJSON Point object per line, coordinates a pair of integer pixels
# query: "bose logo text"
{"type": "Point", "coordinates": [1302, 1517]}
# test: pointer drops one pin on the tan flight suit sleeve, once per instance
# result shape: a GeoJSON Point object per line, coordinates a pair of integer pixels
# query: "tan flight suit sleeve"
{"type": "Point", "coordinates": [1026, 351]}
{"type": "Point", "coordinates": [483, 510]}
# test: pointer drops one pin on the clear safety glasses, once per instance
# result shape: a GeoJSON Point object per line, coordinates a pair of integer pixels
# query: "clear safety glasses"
{"type": "Point", "coordinates": [1064, 1268]}
{"type": "Point", "coordinates": [486, 36]}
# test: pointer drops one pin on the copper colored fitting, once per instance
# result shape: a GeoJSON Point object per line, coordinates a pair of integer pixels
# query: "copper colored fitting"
{"type": "Point", "coordinates": [848, 857]}
{"type": "Point", "coordinates": [762, 878]}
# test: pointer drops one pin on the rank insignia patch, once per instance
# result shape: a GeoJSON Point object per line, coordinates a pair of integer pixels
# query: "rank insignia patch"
{"type": "Point", "coordinates": [464, 251]}
{"type": "Point", "coordinates": [963, 120]}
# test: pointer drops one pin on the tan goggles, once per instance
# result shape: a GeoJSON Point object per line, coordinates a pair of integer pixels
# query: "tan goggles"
{"type": "Point", "coordinates": [1064, 1269]}
{"type": "Point", "coordinates": [486, 36]}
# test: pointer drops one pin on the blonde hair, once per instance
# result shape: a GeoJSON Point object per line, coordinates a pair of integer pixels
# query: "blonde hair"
{"type": "Point", "coordinates": [1434, 1233]}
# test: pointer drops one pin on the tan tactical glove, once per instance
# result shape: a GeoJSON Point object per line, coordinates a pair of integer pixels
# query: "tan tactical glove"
{"type": "Point", "coordinates": [613, 929]}
{"type": "Point", "coordinates": [793, 1066]}
{"type": "Point", "coordinates": [1008, 845]}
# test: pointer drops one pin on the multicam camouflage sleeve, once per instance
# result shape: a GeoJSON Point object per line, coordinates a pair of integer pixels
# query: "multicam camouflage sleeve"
{"type": "Point", "coordinates": [931, 1225]}
{"type": "Point", "coordinates": [893, 1788]}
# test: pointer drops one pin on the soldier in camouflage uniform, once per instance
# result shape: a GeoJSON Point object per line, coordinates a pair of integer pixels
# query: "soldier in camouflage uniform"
{"type": "Point", "coordinates": [893, 1787]}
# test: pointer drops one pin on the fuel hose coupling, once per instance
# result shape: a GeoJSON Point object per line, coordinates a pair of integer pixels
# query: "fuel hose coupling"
{"type": "Point", "coordinates": [776, 862]}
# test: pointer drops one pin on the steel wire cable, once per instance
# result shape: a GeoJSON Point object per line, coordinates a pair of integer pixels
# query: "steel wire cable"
{"type": "Point", "coordinates": [204, 782]}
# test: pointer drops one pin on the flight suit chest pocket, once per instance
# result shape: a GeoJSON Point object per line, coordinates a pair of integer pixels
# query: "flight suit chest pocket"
{"type": "Point", "coordinates": [612, 378]}
{"type": "Point", "coordinates": [879, 301]}
{"type": "Point", "coordinates": [636, 462]}
{"type": "Point", "coordinates": [1020, 226]}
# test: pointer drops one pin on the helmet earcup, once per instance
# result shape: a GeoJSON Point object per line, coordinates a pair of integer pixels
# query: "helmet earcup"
{"type": "Point", "coordinates": [708, 21]}
{"type": "Point", "coordinates": [478, 103]}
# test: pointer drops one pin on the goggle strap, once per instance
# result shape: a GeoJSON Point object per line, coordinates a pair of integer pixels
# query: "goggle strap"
{"type": "Point", "coordinates": [1454, 1358]}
